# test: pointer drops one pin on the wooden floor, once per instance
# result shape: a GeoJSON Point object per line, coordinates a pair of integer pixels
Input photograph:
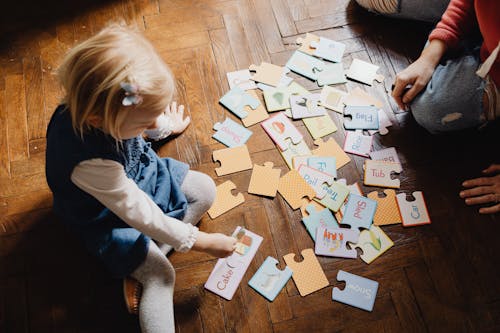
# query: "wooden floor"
{"type": "Point", "coordinates": [440, 278]}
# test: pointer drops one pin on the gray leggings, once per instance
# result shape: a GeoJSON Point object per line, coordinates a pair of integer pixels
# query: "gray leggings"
{"type": "Point", "coordinates": [156, 273]}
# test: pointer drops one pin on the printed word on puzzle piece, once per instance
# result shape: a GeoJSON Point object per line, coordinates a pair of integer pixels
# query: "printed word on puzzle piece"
{"type": "Point", "coordinates": [316, 179]}
{"type": "Point", "coordinates": [279, 98]}
{"type": "Point", "coordinates": [383, 123]}
{"type": "Point", "coordinates": [332, 242]}
{"type": "Point", "coordinates": [269, 280]}
{"type": "Point", "coordinates": [364, 72]}
{"type": "Point", "coordinates": [267, 73]}
{"type": "Point", "coordinates": [279, 128]}
{"type": "Point", "coordinates": [353, 189]}
{"type": "Point", "coordinates": [359, 292]}
{"type": "Point", "coordinates": [387, 208]}
{"type": "Point", "coordinates": [374, 242]}
{"type": "Point", "coordinates": [231, 133]}
{"type": "Point", "coordinates": [235, 101]}
{"type": "Point", "coordinates": [228, 272]}
{"type": "Point", "coordinates": [331, 148]}
{"type": "Point", "coordinates": [232, 160]}
{"type": "Point", "coordinates": [321, 163]}
{"type": "Point", "coordinates": [322, 218]}
{"type": "Point", "coordinates": [305, 43]}
{"type": "Point", "coordinates": [331, 74]}
{"type": "Point", "coordinates": [328, 49]}
{"type": "Point", "coordinates": [361, 117]}
{"type": "Point", "coordinates": [378, 173]}
{"type": "Point", "coordinates": [293, 150]}
{"type": "Point", "coordinates": [335, 196]}
{"type": "Point", "coordinates": [359, 212]}
{"type": "Point", "coordinates": [306, 106]}
{"type": "Point", "coordinates": [224, 200]}
{"type": "Point", "coordinates": [415, 212]}
{"type": "Point", "coordinates": [358, 97]}
{"type": "Point", "coordinates": [293, 188]}
{"type": "Point", "coordinates": [305, 65]}
{"type": "Point", "coordinates": [333, 98]}
{"type": "Point", "coordinates": [386, 155]}
{"type": "Point", "coordinates": [257, 115]}
{"type": "Point", "coordinates": [241, 79]}
{"type": "Point", "coordinates": [264, 180]}
{"type": "Point", "coordinates": [357, 143]}
{"type": "Point", "coordinates": [320, 126]}
{"type": "Point", "coordinates": [307, 274]}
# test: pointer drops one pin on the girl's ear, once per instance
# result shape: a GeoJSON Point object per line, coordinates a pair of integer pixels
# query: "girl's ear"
{"type": "Point", "coordinates": [94, 121]}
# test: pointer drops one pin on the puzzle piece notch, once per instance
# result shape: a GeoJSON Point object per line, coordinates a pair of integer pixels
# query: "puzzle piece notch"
{"type": "Point", "coordinates": [269, 280]}
{"type": "Point", "coordinates": [373, 242]}
{"type": "Point", "coordinates": [335, 196]}
{"type": "Point", "coordinates": [306, 106]}
{"type": "Point", "coordinates": [305, 43]}
{"type": "Point", "coordinates": [267, 73]}
{"type": "Point", "coordinates": [306, 202]}
{"type": "Point", "coordinates": [332, 242]}
{"type": "Point", "coordinates": [361, 117]}
{"type": "Point", "coordinates": [331, 148]}
{"type": "Point", "coordinates": [225, 200]}
{"type": "Point", "coordinates": [279, 98]}
{"type": "Point", "coordinates": [318, 218]}
{"type": "Point", "coordinates": [264, 180]}
{"type": "Point", "coordinates": [257, 115]}
{"type": "Point", "coordinates": [359, 212]}
{"type": "Point", "coordinates": [383, 123]}
{"type": "Point", "coordinates": [307, 274]}
{"type": "Point", "coordinates": [279, 128]}
{"type": "Point", "coordinates": [359, 292]}
{"type": "Point", "coordinates": [378, 173]}
{"type": "Point", "coordinates": [293, 150]}
{"type": "Point", "coordinates": [413, 213]}
{"type": "Point", "coordinates": [293, 188]}
{"type": "Point", "coordinates": [387, 208]}
{"type": "Point", "coordinates": [316, 179]}
{"type": "Point", "coordinates": [231, 133]}
{"type": "Point", "coordinates": [235, 101]}
{"type": "Point", "coordinates": [232, 160]}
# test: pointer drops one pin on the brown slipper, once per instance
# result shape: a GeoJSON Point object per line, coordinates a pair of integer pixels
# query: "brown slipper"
{"type": "Point", "coordinates": [132, 291]}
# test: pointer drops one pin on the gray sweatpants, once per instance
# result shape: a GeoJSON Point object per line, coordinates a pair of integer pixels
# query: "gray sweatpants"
{"type": "Point", "coordinates": [156, 273]}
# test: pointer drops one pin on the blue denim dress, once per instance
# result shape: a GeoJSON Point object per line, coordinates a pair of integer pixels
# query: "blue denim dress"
{"type": "Point", "coordinates": [120, 247]}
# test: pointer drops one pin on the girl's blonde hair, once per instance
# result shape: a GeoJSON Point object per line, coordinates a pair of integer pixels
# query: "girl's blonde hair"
{"type": "Point", "coordinates": [91, 74]}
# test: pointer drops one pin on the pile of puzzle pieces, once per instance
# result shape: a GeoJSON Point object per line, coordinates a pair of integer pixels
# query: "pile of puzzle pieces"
{"type": "Point", "coordinates": [337, 216]}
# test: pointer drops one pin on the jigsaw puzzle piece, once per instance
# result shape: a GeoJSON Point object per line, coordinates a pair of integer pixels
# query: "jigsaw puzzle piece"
{"type": "Point", "coordinates": [333, 99]}
{"type": "Point", "coordinates": [362, 117]}
{"type": "Point", "coordinates": [324, 164]}
{"type": "Point", "coordinates": [293, 150]}
{"type": "Point", "coordinates": [264, 180]}
{"type": "Point", "coordinates": [235, 101]}
{"type": "Point", "coordinates": [335, 196]}
{"type": "Point", "coordinates": [306, 202]}
{"type": "Point", "coordinates": [307, 274]}
{"type": "Point", "coordinates": [241, 79]}
{"type": "Point", "coordinates": [358, 144]}
{"type": "Point", "coordinates": [332, 242]}
{"type": "Point", "coordinates": [378, 173]}
{"type": "Point", "coordinates": [383, 123]}
{"type": "Point", "coordinates": [231, 133]}
{"type": "Point", "coordinates": [353, 188]}
{"type": "Point", "coordinates": [232, 160]}
{"type": "Point", "coordinates": [358, 97]}
{"type": "Point", "coordinates": [269, 280]}
{"type": "Point", "coordinates": [279, 128]}
{"type": "Point", "coordinates": [331, 74]}
{"type": "Point", "coordinates": [320, 126]}
{"type": "Point", "coordinates": [415, 212]}
{"type": "Point", "coordinates": [279, 98]}
{"type": "Point", "coordinates": [267, 73]}
{"type": "Point", "coordinates": [306, 106]}
{"type": "Point", "coordinates": [316, 179]}
{"type": "Point", "coordinates": [386, 155]}
{"type": "Point", "coordinates": [374, 242]}
{"type": "Point", "coordinates": [364, 72]}
{"type": "Point", "coordinates": [387, 208]}
{"type": "Point", "coordinates": [305, 43]}
{"type": "Point", "coordinates": [359, 212]}
{"type": "Point", "coordinates": [305, 65]}
{"type": "Point", "coordinates": [359, 292]}
{"type": "Point", "coordinates": [257, 115]}
{"type": "Point", "coordinates": [331, 148]}
{"type": "Point", "coordinates": [328, 49]}
{"type": "Point", "coordinates": [224, 200]}
{"type": "Point", "coordinates": [318, 218]}
{"type": "Point", "coordinates": [293, 188]}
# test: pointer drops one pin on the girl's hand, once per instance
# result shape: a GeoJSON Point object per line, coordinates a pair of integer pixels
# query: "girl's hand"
{"type": "Point", "coordinates": [176, 115]}
{"type": "Point", "coordinates": [484, 190]}
{"type": "Point", "coordinates": [216, 244]}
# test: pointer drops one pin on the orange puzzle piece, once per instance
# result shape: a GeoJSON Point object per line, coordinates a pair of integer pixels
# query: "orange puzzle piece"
{"type": "Point", "coordinates": [225, 200]}
{"type": "Point", "coordinates": [331, 148]}
{"type": "Point", "coordinates": [307, 274]}
{"type": "Point", "coordinates": [387, 208]}
{"type": "Point", "coordinates": [264, 180]}
{"type": "Point", "coordinates": [232, 160]}
{"type": "Point", "coordinates": [257, 115]}
{"type": "Point", "coordinates": [293, 188]}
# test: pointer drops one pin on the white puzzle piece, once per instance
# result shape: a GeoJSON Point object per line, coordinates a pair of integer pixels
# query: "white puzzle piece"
{"type": "Point", "coordinates": [269, 280]}
{"type": "Point", "coordinates": [231, 133]}
{"type": "Point", "coordinates": [318, 218]}
{"type": "Point", "coordinates": [331, 74]}
{"type": "Point", "coordinates": [374, 242]}
{"type": "Point", "coordinates": [386, 155]}
{"type": "Point", "coordinates": [383, 123]}
{"type": "Point", "coordinates": [361, 117]}
{"type": "Point", "coordinates": [306, 106]}
{"type": "Point", "coordinates": [328, 49]}
{"type": "Point", "coordinates": [359, 292]}
{"type": "Point", "coordinates": [378, 173]}
{"type": "Point", "coordinates": [332, 242]}
{"type": "Point", "coordinates": [332, 99]}
{"type": "Point", "coordinates": [357, 143]}
{"type": "Point", "coordinates": [241, 79]}
{"type": "Point", "coordinates": [279, 128]}
{"type": "Point", "coordinates": [364, 72]}
{"type": "Point", "coordinates": [415, 212]}
{"type": "Point", "coordinates": [316, 179]}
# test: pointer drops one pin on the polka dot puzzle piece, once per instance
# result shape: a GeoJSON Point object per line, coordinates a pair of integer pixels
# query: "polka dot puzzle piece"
{"type": "Point", "coordinates": [264, 180]}
{"type": "Point", "coordinates": [331, 148]}
{"type": "Point", "coordinates": [374, 242]}
{"type": "Point", "coordinates": [224, 200]}
{"type": "Point", "coordinates": [232, 160]}
{"type": "Point", "coordinates": [415, 212]}
{"type": "Point", "coordinates": [293, 188]}
{"type": "Point", "coordinates": [387, 208]}
{"type": "Point", "coordinates": [318, 218]}
{"type": "Point", "coordinates": [267, 73]}
{"type": "Point", "coordinates": [359, 212]}
{"type": "Point", "coordinates": [359, 292]}
{"type": "Point", "coordinates": [257, 115]}
{"type": "Point", "coordinates": [307, 274]}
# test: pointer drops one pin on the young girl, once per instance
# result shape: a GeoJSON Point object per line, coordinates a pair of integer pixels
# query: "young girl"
{"type": "Point", "coordinates": [109, 186]}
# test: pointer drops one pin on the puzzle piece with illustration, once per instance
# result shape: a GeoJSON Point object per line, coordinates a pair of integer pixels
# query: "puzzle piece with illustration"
{"type": "Point", "coordinates": [264, 180]}
{"type": "Point", "coordinates": [293, 150]}
{"type": "Point", "coordinates": [241, 79]}
{"type": "Point", "coordinates": [378, 173]}
{"type": "Point", "coordinates": [231, 133]}
{"type": "Point", "coordinates": [333, 99]}
{"type": "Point", "coordinates": [305, 65]}
{"type": "Point", "coordinates": [307, 274]}
{"type": "Point", "coordinates": [364, 72]}
{"type": "Point", "coordinates": [374, 242]}
{"type": "Point", "coordinates": [353, 188]}
{"type": "Point", "coordinates": [236, 99]}
{"type": "Point", "coordinates": [318, 218]}
{"type": "Point", "coordinates": [316, 179]}
{"type": "Point", "coordinates": [305, 43]}
{"type": "Point", "coordinates": [269, 280]}
{"type": "Point", "coordinates": [279, 128]}
{"type": "Point", "coordinates": [225, 200]}
{"type": "Point", "coordinates": [357, 143]}
{"type": "Point", "coordinates": [279, 98]}
{"type": "Point", "coordinates": [387, 208]}
{"type": "Point", "coordinates": [331, 74]}
{"type": "Point", "coordinates": [359, 292]}
{"type": "Point", "coordinates": [361, 117]}
{"type": "Point", "coordinates": [306, 106]}
{"type": "Point", "coordinates": [293, 188]}
{"type": "Point", "coordinates": [359, 212]}
{"type": "Point", "coordinates": [320, 126]}
{"type": "Point", "coordinates": [232, 160]}
{"type": "Point", "coordinates": [415, 212]}
{"type": "Point", "coordinates": [268, 73]}
{"type": "Point", "coordinates": [332, 242]}
{"type": "Point", "coordinates": [331, 148]}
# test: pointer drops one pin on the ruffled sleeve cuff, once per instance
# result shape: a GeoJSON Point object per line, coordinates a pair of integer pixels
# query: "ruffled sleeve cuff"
{"type": "Point", "coordinates": [188, 243]}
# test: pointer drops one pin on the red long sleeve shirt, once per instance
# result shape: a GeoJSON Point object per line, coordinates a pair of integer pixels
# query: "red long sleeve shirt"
{"type": "Point", "coordinates": [461, 17]}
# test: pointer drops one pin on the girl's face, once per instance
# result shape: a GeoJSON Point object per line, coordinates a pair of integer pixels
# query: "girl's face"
{"type": "Point", "coordinates": [137, 121]}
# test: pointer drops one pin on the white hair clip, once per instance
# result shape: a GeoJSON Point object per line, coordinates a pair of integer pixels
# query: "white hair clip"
{"type": "Point", "coordinates": [131, 94]}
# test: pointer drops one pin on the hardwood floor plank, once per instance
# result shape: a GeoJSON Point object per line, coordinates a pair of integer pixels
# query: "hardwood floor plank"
{"type": "Point", "coordinates": [4, 139]}
{"type": "Point", "coordinates": [258, 50]}
{"type": "Point", "coordinates": [15, 106]}
{"type": "Point", "coordinates": [268, 25]}
{"type": "Point", "coordinates": [32, 68]}
{"type": "Point", "coordinates": [284, 18]}
{"type": "Point", "coordinates": [325, 22]}
{"type": "Point", "coordinates": [223, 55]}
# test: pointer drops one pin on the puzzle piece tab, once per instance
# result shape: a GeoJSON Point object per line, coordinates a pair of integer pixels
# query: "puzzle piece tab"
{"type": "Point", "coordinates": [257, 115]}
{"type": "Point", "coordinates": [387, 208]}
{"type": "Point", "coordinates": [362, 117]}
{"type": "Point", "coordinates": [322, 218]}
{"type": "Point", "coordinates": [359, 212]}
{"type": "Point", "coordinates": [307, 274]}
{"type": "Point", "coordinates": [224, 200]}
{"type": "Point", "coordinates": [328, 49]}
{"type": "Point", "coordinates": [374, 242]}
{"type": "Point", "coordinates": [269, 280]}
{"type": "Point", "coordinates": [231, 133]}
{"type": "Point", "coordinates": [331, 148]}
{"type": "Point", "coordinates": [335, 196]}
{"type": "Point", "coordinates": [415, 212]}
{"type": "Point", "coordinates": [378, 173]}
{"type": "Point", "coordinates": [305, 65]}
{"type": "Point", "coordinates": [235, 101]}
{"type": "Point", "coordinates": [293, 188]}
{"type": "Point", "coordinates": [232, 160]}
{"type": "Point", "coordinates": [364, 72]}
{"type": "Point", "coordinates": [383, 123]}
{"type": "Point", "coordinates": [279, 128]}
{"type": "Point", "coordinates": [264, 180]}
{"type": "Point", "coordinates": [359, 292]}
{"type": "Point", "coordinates": [332, 242]}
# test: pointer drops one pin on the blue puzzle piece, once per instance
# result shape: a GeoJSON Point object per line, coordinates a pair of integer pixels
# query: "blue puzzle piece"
{"type": "Point", "coordinates": [235, 101]}
{"type": "Point", "coordinates": [322, 218]}
{"type": "Point", "coordinates": [363, 117]}
{"type": "Point", "coordinates": [324, 164]}
{"type": "Point", "coordinates": [231, 133]}
{"type": "Point", "coordinates": [359, 211]}
{"type": "Point", "coordinates": [269, 280]}
{"type": "Point", "coordinates": [359, 291]}
{"type": "Point", "coordinates": [305, 65]}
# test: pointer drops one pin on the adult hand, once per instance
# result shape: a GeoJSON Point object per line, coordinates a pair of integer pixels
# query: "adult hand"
{"type": "Point", "coordinates": [484, 190]}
